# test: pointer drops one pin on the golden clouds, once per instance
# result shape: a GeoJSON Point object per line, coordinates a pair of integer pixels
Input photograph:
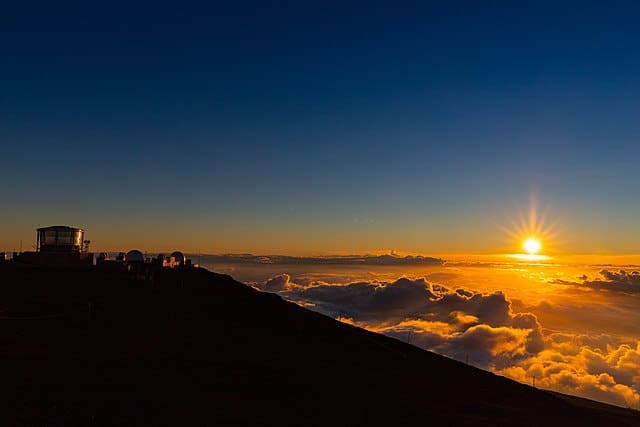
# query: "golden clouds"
{"type": "Point", "coordinates": [484, 329]}
{"type": "Point", "coordinates": [610, 374]}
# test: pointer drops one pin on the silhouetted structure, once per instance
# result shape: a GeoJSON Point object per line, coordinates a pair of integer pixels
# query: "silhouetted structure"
{"type": "Point", "coordinates": [64, 246]}
{"type": "Point", "coordinates": [134, 257]}
{"type": "Point", "coordinates": [60, 239]}
{"type": "Point", "coordinates": [58, 246]}
{"type": "Point", "coordinates": [141, 267]}
{"type": "Point", "coordinates": [176, 259]}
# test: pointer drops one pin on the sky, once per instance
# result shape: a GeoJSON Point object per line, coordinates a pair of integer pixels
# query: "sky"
{"type": "Point", "coordinates": [320, 127]}
{"type": "Point", "coordinates": [447, 129]}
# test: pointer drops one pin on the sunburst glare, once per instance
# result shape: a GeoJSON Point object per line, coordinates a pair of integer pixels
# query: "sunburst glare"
{"type": "Point", "coordinates": [530, 235]}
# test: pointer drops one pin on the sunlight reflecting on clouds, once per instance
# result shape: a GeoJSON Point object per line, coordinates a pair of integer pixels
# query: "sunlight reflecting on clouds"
{"type": "Point", "coordinates": [572, 325]}
{"type": "Point", "coordinates": [529, 257]}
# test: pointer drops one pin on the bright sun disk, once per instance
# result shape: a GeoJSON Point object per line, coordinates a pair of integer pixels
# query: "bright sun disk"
{"type": "Point", "coordinates": [532, 246]}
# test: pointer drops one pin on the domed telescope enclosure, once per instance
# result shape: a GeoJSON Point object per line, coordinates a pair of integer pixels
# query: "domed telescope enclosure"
{"type": "Point", "coordinates": [60, 239]}
{"type": "Point", "coordinates": [178, 257]}
{"type": "Point", "coordinates": [134, 256]}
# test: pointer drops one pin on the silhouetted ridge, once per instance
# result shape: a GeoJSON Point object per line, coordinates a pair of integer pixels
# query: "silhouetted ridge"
{"type": "Point", "coordinates": [89, 347]}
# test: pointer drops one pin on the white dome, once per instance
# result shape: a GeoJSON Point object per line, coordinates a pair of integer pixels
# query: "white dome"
{"type": "Point", "coordinates": [134, 256]}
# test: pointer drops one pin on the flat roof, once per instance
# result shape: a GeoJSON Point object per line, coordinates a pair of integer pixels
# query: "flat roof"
{"type": "Point", "coordinates": [59, 228]}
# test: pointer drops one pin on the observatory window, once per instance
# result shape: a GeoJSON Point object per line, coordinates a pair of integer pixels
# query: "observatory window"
{"type": "Point", "coordinates": [65, 238]}
{"type": "Point", "coordinates": [49, 238]}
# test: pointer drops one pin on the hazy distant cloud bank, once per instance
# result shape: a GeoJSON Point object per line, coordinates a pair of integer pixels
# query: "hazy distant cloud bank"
{"type": "Point", "coordinates": [481, 328]}
{"type": "Point", "coordinates": [377, 260]}
{"type": "Point", "coordinates": [614, 281]}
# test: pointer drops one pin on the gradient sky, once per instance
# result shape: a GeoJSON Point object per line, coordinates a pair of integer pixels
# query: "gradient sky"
{"type": "Point", "coordinates": [320, 127]}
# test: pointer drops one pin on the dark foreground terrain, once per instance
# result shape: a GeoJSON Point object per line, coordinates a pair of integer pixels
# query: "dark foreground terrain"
{"type": "Point", "coordinates": [197, 348]}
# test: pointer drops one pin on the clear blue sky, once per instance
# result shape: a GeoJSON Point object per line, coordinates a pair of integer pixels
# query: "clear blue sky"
{"type": "Point", "coordinates": [300, 127]}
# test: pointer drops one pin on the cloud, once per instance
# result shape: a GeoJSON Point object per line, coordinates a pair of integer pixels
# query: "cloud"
{"type": "Point", "coordinates": [611, 375]}
{"type": "Point", "coordinates": [279, 283]}
{"type": "Point", "coordinates": [483, 329]}
{"type": "Point", "coordinates": [481, 344]}
{"type": "Point", "coordinates": [377, 301]}
{"type": "Point", "coordinates": [405, 298]}
{"type": "Point", "coordinates": [486, 343]}
{"type": "Point", "coordinates": [459, 323]}
{"type": "Point", "coordinates": [620, 281]}
{"type": "Point", "coordinates": [391, 259]}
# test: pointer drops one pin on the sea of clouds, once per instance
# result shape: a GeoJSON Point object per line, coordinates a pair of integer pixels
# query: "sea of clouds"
{"type": "Point", "coordinates": [483, 329]}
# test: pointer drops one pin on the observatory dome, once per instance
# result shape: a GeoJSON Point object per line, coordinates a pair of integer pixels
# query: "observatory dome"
{"type": "Point", "coordinates": [134, 256]}
{"type": "Point", "coordinates": [178, 257]}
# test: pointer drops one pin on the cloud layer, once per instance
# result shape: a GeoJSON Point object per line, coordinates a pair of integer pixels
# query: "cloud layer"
{"type": "Point", "coordinates": [391, 259]}
{"type": "Point", "coordinates": [482, 328]}
{"type": "Point", "coordinates": [607, 372]}
{"type": "Point", "coordinates": [614, 281]}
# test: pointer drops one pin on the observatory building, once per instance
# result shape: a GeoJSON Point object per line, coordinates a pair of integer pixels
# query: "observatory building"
{"type": "Point", "coordinates": [176, 259]}
{"type": "Point", "coordinates": [59, 246]}
{"type": "Point", "coordinates": [60, 238]}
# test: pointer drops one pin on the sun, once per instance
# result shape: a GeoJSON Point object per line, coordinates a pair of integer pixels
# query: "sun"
{"type": "Point", "coordinates": [531, 233]}
{"type": "Point", "coordinates": [532, 246]}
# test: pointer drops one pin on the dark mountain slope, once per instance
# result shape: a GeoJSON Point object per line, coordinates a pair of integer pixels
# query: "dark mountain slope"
{"type": "Point", "coordinates": [193, 347]}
